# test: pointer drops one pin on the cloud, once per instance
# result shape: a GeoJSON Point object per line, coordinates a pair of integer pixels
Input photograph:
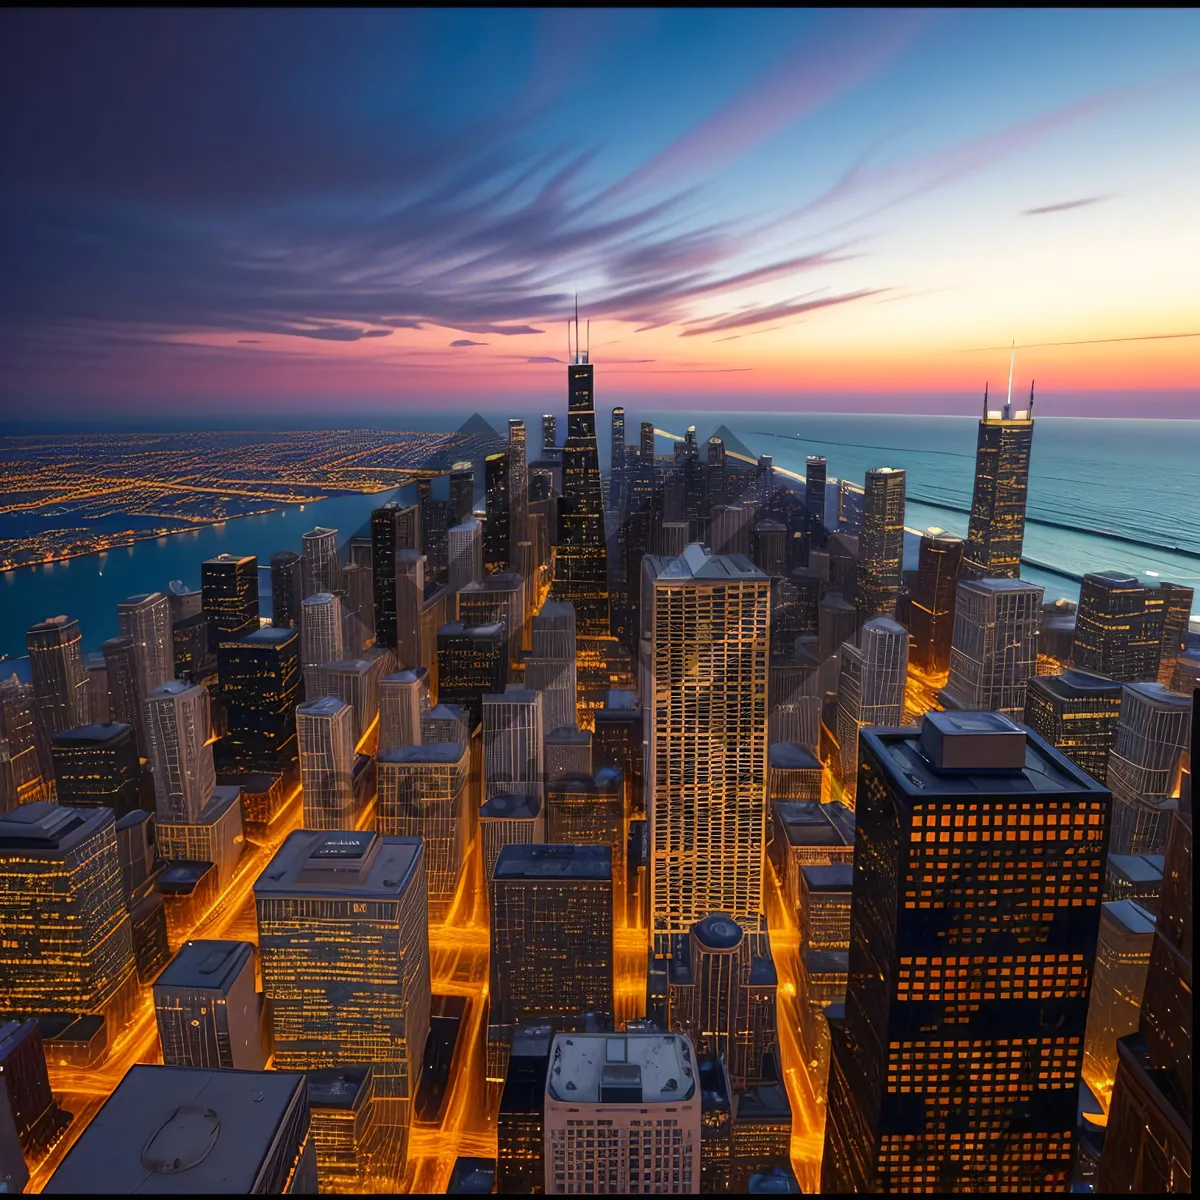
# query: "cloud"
{"type": "Point", "coordinates": [775, 312]}
{"type": "Point", "coordinates": [466, 342]}
{"type": "Point", "coordinates": [249, 342]}
{"type": "Point", "coordinates": [542, 358]}
{"type": "Point", "coordinates": [1064, 206]}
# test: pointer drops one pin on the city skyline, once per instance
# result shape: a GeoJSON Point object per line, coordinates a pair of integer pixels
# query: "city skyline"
{"type": "Point", "coordinates": [812, 210]}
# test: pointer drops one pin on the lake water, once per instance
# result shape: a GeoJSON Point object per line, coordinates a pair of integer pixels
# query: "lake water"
{"type": "Point", "coordinates": [1119, 494]}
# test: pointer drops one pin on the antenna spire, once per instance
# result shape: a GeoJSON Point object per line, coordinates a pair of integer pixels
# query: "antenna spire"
{"type": "Point", "coordinates": [985, 391]}
{"type": "Point", "coordinates": [587, 341]}
{"type": "Point", "coordinates": [1012, 360]}
{"type": "Point", "coordinates": [1031, 383]}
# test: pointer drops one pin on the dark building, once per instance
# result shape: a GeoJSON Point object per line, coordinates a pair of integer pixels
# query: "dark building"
{"type": "Point", "coordinates": [25, 1079]}
{"type": "Point", "coordinates": [1078, 714]}
{"type": "Point", "coordinates": [97, 765]}
{"type": "Point", "coordinates": [762, 1134]}
{"type": "Point", "coordinates": [794, 600]}
{"type": "Point", "coordinates": [1148, 1142]}
{"type": "Point", "coordinates": [229, 585]}
{"type": "Point", "coordinates": [997, 529]}
{"type": "Point", "coordinates": [716, 1125]}
{"type": "Point", "coordinates": [198, 1131]}
{"type": "Point", "coordinates": [581, 562]}
{"type": "Point", "coordinates": [260, 684]}
{"type": "Point", "coordinates": [589, 810]}
{"type": "Point", "coordinates": [617, 742]}
{"type": "Point", "coordinates": [122, 683]}
{"type": "Point", "coordinates": [472, 662]}
{"type": "Point", "coordinates": [287, 589]}
{"type": "Point", "coordinates": [472, 1177]}
{"type": "Point", "coordinates": [497, 535]}
{"type": "Point", "coordinates": [60, 680]}
{"type": "Point", "coordinates": [881, 543]}
{"type": "Point", "coordinates": [1119, 627]}
{"type": "Point", "coordinates": [21, 778]}
{"type": "Point", "coordinates": [814, 499]}
{"type": "Point", "coordinates": [195, 660]}
{"type": "Point", "coordinates": [957, 1067]}
{"type": "Point", "coordinates": [931, 621]}
{"type": "Point", "coordinates": [552, 935]}
{"type": "Point", "coordinates": [520, 1124]}
{"type": "Point", "coordinates": [392, 529]}
{"type": "Point", "coordinates": [462, 491]}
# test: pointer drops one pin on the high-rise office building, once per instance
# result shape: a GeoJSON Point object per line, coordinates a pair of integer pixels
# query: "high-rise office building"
{"type": "Point", "coordinates": [617, 743]}
{"type": "Point", "coordinates": [1078, 714]}
{"type": "Point", "coordinates": [871, 682]}
{"type": "Point", "coordinates": [462, 491]}
{"type": "Point", "coordinates": [837, 621]}
{"type": "Point", "coordinates": [325, 732]}
{"type": "Point", "coordinates": [933, 596]}
{"type": "Point", "coordinates": [146, 620]}
{"type": "Point", "coordinates": [393, 529]}
{"type": "Point", "coordinates": [322, 566]}
{"type": "Point", "coordinates": [589, 810]}
{"type": "Point", "coordinates": [721, 993]}
{"type": "Point", "coordinates": [472, 663]}
{"type": "Point", "coordinates": [445, 723]}
{"type": "Point", "coordinates": [208, 1011]}
{"type": "Point", "coordinates": [464, 548]}
{"type": "Point", "coordinates": [97, 765]}
{"type": "Point", "coordinates": [967, 998]}
{"type": "Point", "coordinates": [343, 936]}
{"type": "Point", "coordinates": [60, 680]}
{"type": "Point", "coordinates": [204, 1131]}
{"type": "Point", "coordinates": [497, 529]}
{"type": "Point", "coordinates": [67, 944]}
{"type": "Point", "coordinates": [881, 543]}
{"type": "Point", "coordinates": [513, 742]}
{"type": "Point", "coordinates": [568, 752]}
{"type": "Point", "coordinates": [186, 602]}
{"type": "Point", "coordinates": [26, 1093]}
{"type": "Point", "coordinates": [622, 1114]}
{"type": "Point", "coordinates": [354, 681]}
{"type": "Point", "coordinates": [509, 819]}
{"type": "Point", "coordinates": [287, 589]}
{"type": "Point", "coordinates": [549, 435]}
{"type": "Point", "coordinates": [581, 563]}
{"type": "Point", "coordinates": [120, 667]}
{"type": "Point", "coordinates": [260, 686]}
{"type": "Point", "coordinates": [1144, 766]}
{"type": "Point", "coordinates": [705, 650]}
{"type": "Point", "coordinates": [731, 529]}
{"type": "Point", "coordinates": [358, 607]}
{"type": "Point", "coordinates": [518, 483]}
{"type": "Point", "coordinates": [555, 679]}
{"type": "Point", "coordinates": [1177, 610]}
{"type": "Point", "coordinates": [403, 698]}
{"type": "Point", "coordinates": [410, 593]}
{"type": "Point", "coordinates": [552, 935]}
{"type": "Point", "coordinates": [229, 585]}
{"type": "Point", "coordinates": [520, 1129]}
{"type": "Point", "coordinates": [21, 778]}
{"type": "Point", "coordinates": [497, 598]}
{"type": "Point", "coordinates": [1148, 1142]}
{"type": "Point", "coordinates": [814, 499]}
{"type": "Point", "coordinates": [997, 528]}
{"type": "Point", "coordinates": [994, 651]}
{"type": "Point", "coordinates": [321, 629]}
{"type": "Point", "coordinates": [424, 792]}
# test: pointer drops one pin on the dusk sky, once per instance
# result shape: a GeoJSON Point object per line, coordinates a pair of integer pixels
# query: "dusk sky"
{"type": "Point", "coordinates": [273, 212]}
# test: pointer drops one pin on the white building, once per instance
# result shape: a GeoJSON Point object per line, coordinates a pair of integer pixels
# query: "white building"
{"type": "Point", "coordinates": [325, 733]}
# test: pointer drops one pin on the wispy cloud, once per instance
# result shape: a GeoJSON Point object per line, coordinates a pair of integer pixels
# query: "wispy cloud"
{"type": "Point", "coordinates": [775, 312]}
{"type": "Point", "coordinates": [466, 342]}
{"type": "Point", "coordinates": [1063, 206]}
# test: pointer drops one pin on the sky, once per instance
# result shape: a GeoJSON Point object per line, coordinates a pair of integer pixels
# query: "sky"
{"type": "Point", "coordinates": [298, 214]}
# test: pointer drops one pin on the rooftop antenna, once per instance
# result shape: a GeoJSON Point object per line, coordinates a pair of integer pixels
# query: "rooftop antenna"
{"type": "Point", "coordinates": [985, 388]}
{"type": "Point", "coordinates": [1011, 361]}
{"type": "Point", "coordinates": [568, 339]}
{"type": "Point", "coordinates": [587, 342]}
{"type": "Point", "coordinates": [1031, 383]}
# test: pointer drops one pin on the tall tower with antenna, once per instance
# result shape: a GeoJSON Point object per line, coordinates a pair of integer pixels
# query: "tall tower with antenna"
{"type": "Point", "coordinates": [996, 533]}
{"type": "Point", "coordinates": [581, 563]}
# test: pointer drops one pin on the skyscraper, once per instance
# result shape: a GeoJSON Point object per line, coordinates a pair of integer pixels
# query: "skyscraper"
{"type": "Point", "coordinates": [60, 680]}
{"type": "Point", "coordinates": [322, 567]}
{"type": "Point", "coordinates": [325, 732]}
{"type": "Point", "coordinates": [993, 654]}
{"type": "Point", "coordinates": [871, 683]}
{"type": "Point", "coordinates": [622, 1114]}
{"type": "Point", "coordinates": [1177, 609]}
{"type": "Point", "coordinates": [343, 935]}
{"type": "Point", "coordinates": [509, 819]}
{"type": "Point", "coordinates": [121, 669]}
{"type": "Point", "coordinates": [287, 588]}
{"type": "Point", "coordinates": [1077, 714]}
{"type": "Point", "coordinates": [957, 1064]}
{"type": "Point", "coordinates": [260, 686]}
{"type": "Point", "coordinates": [464, 547]}
{"type": "Point", "coordinates": [354, 681]}
{"type": "Point", "coordinates": [933, 597]}
{"type": "Point", "coordinates": [497, 529]}
{"type": "Point", "coordinates": [497, 598]}
{"type": "Point", "coordinates": [392, 529]}
{"type": "Point", "coordinates": [617, 459]}
{"type": "Point", "coordinates": [424, 793]}
{"type": "Point", "coordinates": [472, 663]}
{"type": "Point", "coordinates": [1119, 627]}
{"type": "Point", "coordinates": [97, 765]}
{"type": "Point", "coordinates": [229, 584]}
{"type": "Point", "coordinates": [705, 650]}
{"type": "Point", "coordinates": [551, 922]}
{"type": "Point", "coordinates": [997, 528]}
{"type": "Point", "coordinates": [1144, 767]}
{"type": "Point", "coordinates": [581, 570]}
{"type": "Point", "coordinates": [25, 1090]}
{"type": "Point", "coordinates": [518, 484]}
{"type": "Point", "coordinates": [321, 638]}
{"type": "Point", "coordinates": [146, 620]}
{"type": "Point", "coordinates": [21, 778]}
{"type": "Point", "coordinates": [403, 697]}
{"type": "Point", "coordinates": [814, 499]}
{"type": "Point", "coordinates": [67, 945]}
{"type": "Point", "coordinates": [881, 543]}
{"type": "Point", "coordinates": [513, 742]}
{"type": "Point", "coordinates": [589, 810]}
{"type": "Point", "coordinates": [462, 491]}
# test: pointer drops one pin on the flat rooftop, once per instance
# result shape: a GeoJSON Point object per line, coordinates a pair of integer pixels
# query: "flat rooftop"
{"type": "Point", "coordinates": [211, 965]}
{"type": "Point", "coordinates": [1076, 685]}
{"type": "Point", "coordinates": [508, 581]}
{"type": "Point", "coordinates": [92, 735]}
{"type": "Point", "coordinates": [42, 827]}
{"type": "Point", "coordinates": [609, 1068]}
{"type": "Point", "coordinates": [568, 735]}
{"type": "Point", "coordinates": [696, 563]}
{"type": "Point", "coordinates": [408, 675]}
{"type": "Point", "coordinates": [787, 756]}
{"type": "Point", "coordinates": [511, 805]}
{"type": "Point", "coordinates": [160, 1114]}
{"type": "Point", "coordinates": [810, 823]}
{"type": "Point", "coordinates": [540, 861]}
{"type": "Point", "coordinates": [513, 694]}
{"type": "Point", "coordinates": [315, 862]}
{"type": "Point", "coordinates": [326, 706]}
{"type": "Point", "coordinates": [1129, 915]}
{"type": "Point", "coordinates": [619, 700]}
{"type": "Point", "coordinates": [430, 752]}
{"type": "Point", "coordinates": [839, 877]}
